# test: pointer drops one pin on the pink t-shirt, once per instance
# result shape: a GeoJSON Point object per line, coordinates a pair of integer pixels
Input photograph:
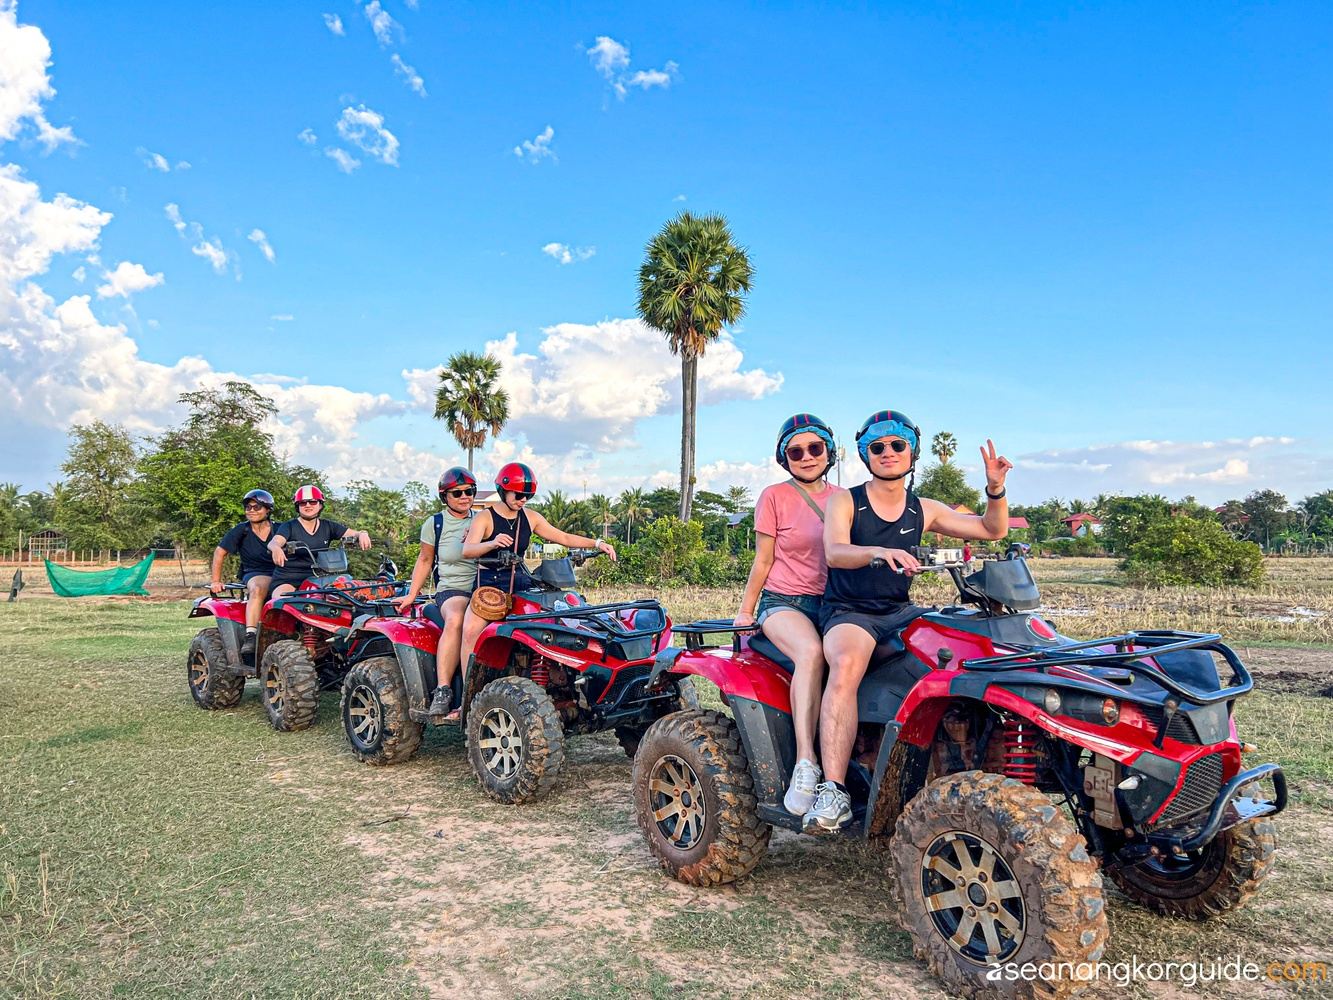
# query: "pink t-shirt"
{"type": "Point", "coordinates": [798, 550]}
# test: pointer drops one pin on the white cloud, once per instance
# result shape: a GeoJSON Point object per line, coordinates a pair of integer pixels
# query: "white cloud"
{"type": "Point", "coordinates": [127, 279]}
{"type": "Point", "coordinates": [79, 274]}
{"type": "Point", "coordinates": [173, 212]}
{"type": "Point", "coordinates": [413, 4]}
{"type": "Point", "coordinates": [154, 161]}
{"type": "Point", "coordinates": [183, 165]}
{"type": "Point", "coordinates": [381, 23]}
{"type": "Point", "coordinates": [567, 254]}
{"type": "Point", "coordinates": [281, 318]}
{"type": "Point", "coordinates": [345, 160]}
{"type": "Point", "coordinates": [307, 136]}
{"type": "Point", "coordinates": [259, 239]}
{"type": "Point", "coordinates": [537, 149]}
{"type": "Point", "coordinates": [679, 197]}
{"type": "Point", "coordinates": [611, 59]}
{"type": "Point", "coordinates": [25, 55]}
{"type": "Point", "coordinates": [591, 384]}
{"type": "Point", "coordinates": [365, 129]}
{"type": "Point", "coordinates": [211, 250]}
{"type": "Point", "coordinates": [334, 23]}
{"type": "Point", "coordinates": [32, 231]}
{"type": "Point", "coordinates": [409, 75]}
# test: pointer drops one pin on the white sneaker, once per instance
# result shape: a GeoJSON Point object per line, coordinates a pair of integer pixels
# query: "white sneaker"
{"type": "Point", "coordinates": [804, 783]}
{"type": "Point", "coordinates": [831, 812]}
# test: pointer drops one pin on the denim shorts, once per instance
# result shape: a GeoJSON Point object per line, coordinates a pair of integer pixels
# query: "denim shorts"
{"type": "Point", "coordinates": [771, 600]}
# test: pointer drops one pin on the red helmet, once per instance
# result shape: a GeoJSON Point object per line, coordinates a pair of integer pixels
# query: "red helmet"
{"type": "Point", "coordinates": [517, 478]}
{"type": "Point", "coordinates": [454, 479]}
{"type": "Point", "coordinates": [308, 492]}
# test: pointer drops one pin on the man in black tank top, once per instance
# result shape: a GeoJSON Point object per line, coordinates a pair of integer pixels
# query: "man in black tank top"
{"type": "Point", "coordinates": [863, 605]}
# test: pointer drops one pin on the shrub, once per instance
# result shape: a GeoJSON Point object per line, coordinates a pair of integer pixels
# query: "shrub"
{"type": "Point", "coordinates": [1187, 551]}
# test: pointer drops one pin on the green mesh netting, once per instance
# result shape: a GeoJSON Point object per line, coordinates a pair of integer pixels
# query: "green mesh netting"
{"type": "Point", "coordinates": [85, 583]}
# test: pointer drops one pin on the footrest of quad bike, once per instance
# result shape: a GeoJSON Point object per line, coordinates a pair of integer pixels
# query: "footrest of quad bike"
{"type": "Point", "coordinates": [426, 719]}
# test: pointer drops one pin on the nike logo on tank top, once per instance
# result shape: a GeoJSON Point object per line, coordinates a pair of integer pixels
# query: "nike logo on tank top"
{"type": "Point", "coordinates": [875, 591]}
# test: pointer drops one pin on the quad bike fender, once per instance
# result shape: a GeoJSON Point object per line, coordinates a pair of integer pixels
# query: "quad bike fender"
{"type": "Point", "coordinates": [412, 643]}
{"type": "Point", "coordinates": [223, 609]}
{"type": "Point", "coordinates": [736, 674]}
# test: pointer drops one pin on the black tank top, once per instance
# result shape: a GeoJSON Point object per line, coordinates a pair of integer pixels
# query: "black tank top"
{"type": "Point", "coordinates": [875, 591]}
{"type": "Point", "coordinates": [517, 528]}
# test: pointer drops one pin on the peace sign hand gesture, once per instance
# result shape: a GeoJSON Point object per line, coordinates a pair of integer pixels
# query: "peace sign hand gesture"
{"type": "Point", "coordinates": [997, 467]}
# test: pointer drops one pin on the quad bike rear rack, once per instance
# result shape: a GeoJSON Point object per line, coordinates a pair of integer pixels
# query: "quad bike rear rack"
{"type": "Point", "coordinates": [1130, 651]}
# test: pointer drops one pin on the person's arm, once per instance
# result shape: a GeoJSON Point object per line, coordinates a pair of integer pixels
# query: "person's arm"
{"type": "Point", "coordinates": [275, 545]}
{"type": "Point", "coordinates": [215, 576]}
{"type": "Point", "coordinates": [991, 526]}
{"type": "Point", "coordinates": [543, 527]}
{"type": "Point", "coordinates": [425, 557]}
{"type": "Point", "coordinates": [362, 537]}
{"type": "Point", "coordinates": [839, 551]}
{"type": "Point", "coordinates": [764, 547]}
{"type": "Point", "coordinates": [474, 547]}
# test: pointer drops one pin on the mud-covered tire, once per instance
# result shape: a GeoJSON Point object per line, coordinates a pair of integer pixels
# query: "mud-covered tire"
{"type": "Point", "coordinates": [515, 740]}
{"type": "Point", "coordinates": [694, 799]}
{"type": "Point", "coordinates": [211, 685]}
{"type": "Point", "coordinates": [1028, 890]}
{"type": "Point", "coordinates": [374, 710]}
{"type": "Point", "coordinates": [289, 686]}
{"type": "Point", "coordinates": [1225, 874]}
{"type": "Point", "coordinates": [687, 699]}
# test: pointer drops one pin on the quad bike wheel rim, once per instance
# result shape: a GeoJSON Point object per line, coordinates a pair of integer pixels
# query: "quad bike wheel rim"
{"type": "Point", "coordinates": [198, 670]}
{"type": "Point", "coordinates": [972, 897]}
{"type": "Point", "coordinates": [365, 717]}
{"type": "Point", "coordinates": [676, 797]}
{"type": "Point", "coordinates": [501, 743]}
{"type": "Point", "coordinates": [273, 689]}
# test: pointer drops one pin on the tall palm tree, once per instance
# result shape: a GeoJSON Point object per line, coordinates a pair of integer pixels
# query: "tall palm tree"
{"type": "Point", "coordinates": [602, 511]}
{"type": "Point", "coordinates": [470, 401]}
{"type": "Point", "coordinates": [738, 499]}
{"type": "Point", "coordinates": [558, 509]}
{"type": "Point", "coordinates": [692, 283]}
{"type": "Point", "coordinates": [633, 504]}
{"type": "Point", "coordinates": [944, 446]}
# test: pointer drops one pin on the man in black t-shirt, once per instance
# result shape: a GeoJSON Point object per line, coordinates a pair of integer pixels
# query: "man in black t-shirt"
{"type": "Point", "coordinates": [249, 540]}
{"type": "Point", "coordinates": [312, 532]}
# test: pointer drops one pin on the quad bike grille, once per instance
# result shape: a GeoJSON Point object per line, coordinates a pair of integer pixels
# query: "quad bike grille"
{"type": "Point", "coordinates": [1202, 784]}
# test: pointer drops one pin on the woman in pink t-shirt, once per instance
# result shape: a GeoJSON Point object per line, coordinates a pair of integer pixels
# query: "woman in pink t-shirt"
{"type": "Point", "coordinates": [786, 584]}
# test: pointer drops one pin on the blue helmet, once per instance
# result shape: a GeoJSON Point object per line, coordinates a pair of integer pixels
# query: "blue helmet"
{"type": "Point", "coordinates": [888, 423]}
{"type": "Point", "coordinates": [802, 423]}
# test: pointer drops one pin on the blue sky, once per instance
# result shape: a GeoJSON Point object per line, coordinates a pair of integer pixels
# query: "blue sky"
{"type": "Point", "coordinates": [1102, 236]}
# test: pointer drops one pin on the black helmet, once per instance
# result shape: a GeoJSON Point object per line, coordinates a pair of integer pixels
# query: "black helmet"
{"type": "Point", "coordinates": [800, 424]}
{"type": "Point", "coordinates": [884, 423]}
{"type": "Point", "coordinates": [259, 496]}
{"type": "Point", "coordinates": [454, 478]}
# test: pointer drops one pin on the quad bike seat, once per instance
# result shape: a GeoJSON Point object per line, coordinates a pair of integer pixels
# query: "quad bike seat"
{"type": "Point", "coordinates": [431, 612]}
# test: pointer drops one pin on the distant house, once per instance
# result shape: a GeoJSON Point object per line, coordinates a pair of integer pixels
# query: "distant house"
{"type": "Point", "coordinates": [734, 520]}
{"type": "Point", "coordinates": [962, 508]}
{"type": "Point", "coordinates": [47, 543]}
{"type": "Point", "coordinates": [1081, 524]}
{"type": "Point", "coordinates": [1018, 524]}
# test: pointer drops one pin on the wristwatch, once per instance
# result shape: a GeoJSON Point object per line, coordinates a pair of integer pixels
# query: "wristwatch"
{"type": "Point", "coordinates": [996, 496]}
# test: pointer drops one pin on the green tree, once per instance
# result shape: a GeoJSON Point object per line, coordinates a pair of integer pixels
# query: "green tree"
{"type": "Point", "coordinates": [1317, 511]}
{"type": "Point", "coordinates": [739, 499]}
{"type": "Point", "coordinates": [662, 502]}
{"type": "Point", "coordinates": [633, 508]}
{"type": "Point", "coordinates": [470, 401]}
{"type": "Point", "coordinates": [692, 283]}
{"type": "Point", "coordinates": [97, 506]}
{"type": "Point", "coordinates": [1269, 516]}
{"type": "Point", "coordinates": [1233, 517]}
{"type": "Point", "coordinates": [944, 446]}
{"type": "Point", "coordinates": [947, 484]}
{"type": "Point", "coordinates": [194, 475]}
{"type": "Point", "coordinates": [1126, 519]}
{"type": "Point", "coordinates": [1185, 550]}
{"type": "Point", "coordinates": [603, 513]}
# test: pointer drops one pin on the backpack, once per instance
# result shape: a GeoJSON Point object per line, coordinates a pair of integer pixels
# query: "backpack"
{"type": "Point", "coordinates": [435, 564]}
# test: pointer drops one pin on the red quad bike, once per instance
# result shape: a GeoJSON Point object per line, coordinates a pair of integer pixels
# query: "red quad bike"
{"type": "Point", "coordinates": [1010, 765]}
{"type": "Point", "coordinates": [301, 643]}
{"type": "Point", "coordinates": [557, 665]}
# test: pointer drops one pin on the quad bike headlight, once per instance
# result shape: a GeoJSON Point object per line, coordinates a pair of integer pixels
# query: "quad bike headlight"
{"type": "Point", "coordinates": [1051, 701]}
{"type": "Point", "coordinates": [1111, 711]}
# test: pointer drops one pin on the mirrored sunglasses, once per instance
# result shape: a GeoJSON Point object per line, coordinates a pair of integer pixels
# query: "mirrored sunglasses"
{"type": "Point", "coordinates": [898, 445]}
{"type": "Point", "coordinates": [796, 452]}
{"type": "Point", "coordinates": [255, 506]}
{"type": "Point", "coordinates": [466, 491]}
{"type": "Point", "coordinates": [309, 503]}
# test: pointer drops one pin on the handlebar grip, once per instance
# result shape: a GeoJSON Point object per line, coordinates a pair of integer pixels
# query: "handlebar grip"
{"type": "Point", "coordinates": [877, 563]}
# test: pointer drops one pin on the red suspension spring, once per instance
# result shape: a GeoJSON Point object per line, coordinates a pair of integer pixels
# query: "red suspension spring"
{"type": "Point", "coordinates": [1020, 751]}
{"type": "Point", "coordinates": [541, 675]}
{"type": "Point", "coordinates": [311, 642]}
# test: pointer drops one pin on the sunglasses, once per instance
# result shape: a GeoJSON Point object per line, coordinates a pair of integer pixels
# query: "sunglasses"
{"type": "Point", "coordinates": [877, 448]}
{"type": "Point", "coordinates": [521, 495]}
{"type": "Point", "coordinates": [468, 491]}
{"type": "Point", "coordinates": [255, 506]}
{"type": "Point", "coordinates": [309, 503]}
{"type": "Point", "coordinates": [796, 452]}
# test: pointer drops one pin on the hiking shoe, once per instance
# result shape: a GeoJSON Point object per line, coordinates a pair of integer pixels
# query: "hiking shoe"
{"type": "Point", "coordinates": [442, 702]}
{"type": "Point", "coordinates": [804, 783]}
{"type": "Point", "coordinates": [248, 648]}
{"type": "Point", "coordinates": [831, 812]}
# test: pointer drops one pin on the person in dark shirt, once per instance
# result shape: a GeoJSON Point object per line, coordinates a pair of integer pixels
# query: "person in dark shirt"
{"type": "Point", "coordinates": [311, 531]}
{"type": "Point", "coordinates": [249, 540]}
{"type": "Point", "coordinates": [866, 605]}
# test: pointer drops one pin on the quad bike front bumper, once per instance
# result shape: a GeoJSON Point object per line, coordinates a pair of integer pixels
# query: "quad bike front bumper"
{"type": "Point", "coordinates": [1230, 808]}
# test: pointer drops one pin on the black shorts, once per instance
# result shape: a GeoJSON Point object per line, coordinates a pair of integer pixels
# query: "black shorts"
{"type": "Point", "coordinates": [882, 626]}
{"type": "Point", "coordinates": [445, 595]}
{"type": "Point", "coordinates": [247, 577]}
{"type": "Point", "coordinates": [292, 579]}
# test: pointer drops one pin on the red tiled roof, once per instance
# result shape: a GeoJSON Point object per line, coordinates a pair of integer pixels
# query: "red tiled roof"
{"type": "Point", "coordinates": [1018, 522]}
{"type": "Point", "coordinates": [1078, 518]}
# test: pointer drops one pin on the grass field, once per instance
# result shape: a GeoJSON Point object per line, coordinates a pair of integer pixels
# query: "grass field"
{"type": "Point", "coordinates": [149, 849]}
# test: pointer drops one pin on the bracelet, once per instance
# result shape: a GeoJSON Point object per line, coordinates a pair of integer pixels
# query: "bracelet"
{"type": "Point", "coordinates": [996, 496]}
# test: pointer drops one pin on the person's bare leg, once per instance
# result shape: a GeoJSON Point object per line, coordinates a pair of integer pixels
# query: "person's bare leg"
{"type": "Point", "coordinates": [257, 590]}
{"type": "Point", "coordinates": [848, 649]}
{"type": "Point", "coordinates": [794, 634]}
{"type": "Point", "coordinates": [454, 610]}
{"type": "Point", "coordinates": [283, 589]}
{"type": "Point", "coordinates": [473, 624]}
